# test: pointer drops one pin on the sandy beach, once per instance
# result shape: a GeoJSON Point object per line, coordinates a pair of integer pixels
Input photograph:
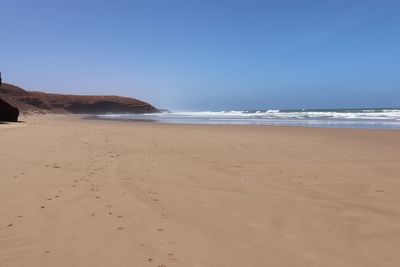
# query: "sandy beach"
{"type": "Point", "coordinates": [79, 192]}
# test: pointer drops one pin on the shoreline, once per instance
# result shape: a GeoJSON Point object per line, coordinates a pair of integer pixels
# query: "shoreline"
{"type": "Point", "coordinates": [299, 125]}
{"type": "Point", "coordinates": [78, 192]}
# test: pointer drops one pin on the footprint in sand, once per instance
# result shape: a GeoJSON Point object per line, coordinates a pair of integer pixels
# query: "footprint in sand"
{"type": "Point", "coordinates": [55, 166]}
{"type": "Point", "coordinates": [171, 257]}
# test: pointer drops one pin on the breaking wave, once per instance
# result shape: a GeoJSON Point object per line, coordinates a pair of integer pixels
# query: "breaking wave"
{"type": "Point", "coordinates": [337, 118]}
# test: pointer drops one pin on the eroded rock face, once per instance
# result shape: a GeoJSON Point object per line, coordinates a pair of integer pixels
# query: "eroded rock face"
{"type": "Point", "coordinates": [39, 102]}
{"type": "Point", "coordinates": [8, 112]}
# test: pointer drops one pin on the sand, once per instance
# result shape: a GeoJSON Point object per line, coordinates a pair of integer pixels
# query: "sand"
{"type": "Point", "coordinates": [101, 193]}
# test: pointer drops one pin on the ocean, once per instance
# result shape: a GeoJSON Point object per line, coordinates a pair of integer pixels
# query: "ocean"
{"type": "Point", "coordinates": [382, 118]}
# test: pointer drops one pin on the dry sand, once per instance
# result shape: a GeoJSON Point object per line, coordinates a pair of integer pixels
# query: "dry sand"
{"type": "Point", "coordinates": [97, 193]}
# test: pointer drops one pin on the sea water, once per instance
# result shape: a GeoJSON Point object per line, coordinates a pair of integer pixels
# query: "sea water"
{"type": "Point", "coordinates": [327, 118]}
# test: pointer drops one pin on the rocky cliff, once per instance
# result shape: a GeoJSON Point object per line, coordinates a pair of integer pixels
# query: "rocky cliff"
{"type": "Point", "coordinates": [8, 112]}
{"type": "Point", "coordinates": [39, 102]}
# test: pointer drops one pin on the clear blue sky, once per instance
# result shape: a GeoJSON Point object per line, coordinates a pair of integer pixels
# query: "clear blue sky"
{"type": "Point", "coordinates": [207, 55]}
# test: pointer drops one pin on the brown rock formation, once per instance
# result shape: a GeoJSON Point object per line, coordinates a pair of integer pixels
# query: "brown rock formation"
{"type": "Point", "coordinates": [39, 102]}
{"type": "Point", "coordinates": [8, 112]}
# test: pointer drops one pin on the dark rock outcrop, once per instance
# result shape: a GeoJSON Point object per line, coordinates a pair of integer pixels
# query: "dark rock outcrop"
{"type": "Point", "coordinates": [39, 102]}
{"type": "Point", "coordinates": [8, 112]}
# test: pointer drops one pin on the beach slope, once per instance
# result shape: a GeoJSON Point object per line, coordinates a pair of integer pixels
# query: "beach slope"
{"type": "Point", "coordinates": [104, 193]}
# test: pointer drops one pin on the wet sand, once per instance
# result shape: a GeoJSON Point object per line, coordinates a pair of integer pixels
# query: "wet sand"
{"type": "Point", "coordinates": [102, 193]}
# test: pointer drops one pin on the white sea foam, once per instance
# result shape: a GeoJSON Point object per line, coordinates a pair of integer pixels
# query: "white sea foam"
{"type": "Point", "coordinates": [369, 118]}
{"type": "Point", "coordinates": [276, 114]}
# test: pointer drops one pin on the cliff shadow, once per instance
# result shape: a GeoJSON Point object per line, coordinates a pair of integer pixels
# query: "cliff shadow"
{"type": "Point", "coordinates": [8, 122]}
